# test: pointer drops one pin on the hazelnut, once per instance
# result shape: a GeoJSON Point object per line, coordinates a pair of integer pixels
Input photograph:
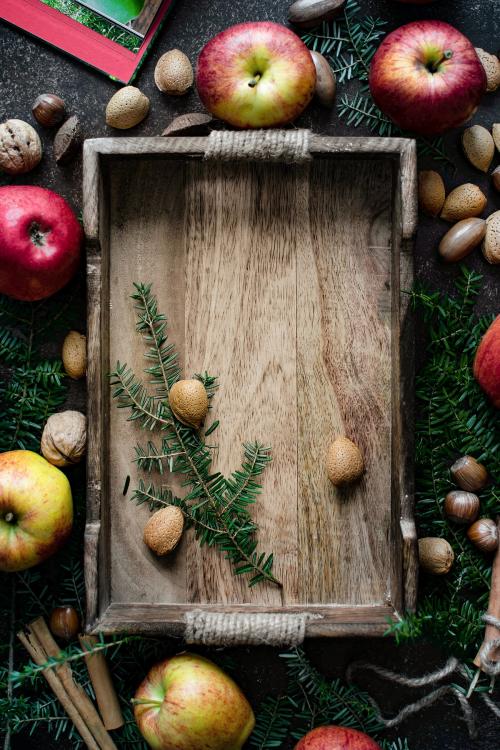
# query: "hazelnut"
{"type": "Point", "coordinates": [344, 462]}
{"type": "Point", "coordinates": [49, 110]}
{"type": "Point", "coordinates": [64, 438]}
{"type": "Point", "coordinates": [435, 555]}
{"type": "Point", "coordinates": [74, 355]}
{"type": "Point", "coordinates": [189, 402]}
{"type": "Point", "coordinates": [20, 147]}
{"type": "Point", "coordinates": [164, 530]}
{"type": "Point", "coordinates": [64, 623]}
{"type": "Point", "coordinates": [174, 73]}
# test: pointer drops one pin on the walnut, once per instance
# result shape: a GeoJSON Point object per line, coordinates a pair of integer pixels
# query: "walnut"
{"type": "Point", "coordinates": [20, 147]}
{"type": "Point", "coordinates": [64, 438]}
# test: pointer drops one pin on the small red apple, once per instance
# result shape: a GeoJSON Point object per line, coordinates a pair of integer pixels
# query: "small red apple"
{"type": "Point", "coordinates": [336, 738]}
{"type": "Point", "coordinates": [256, 75]}
{"type": "Point", "coordinates": [487, 363]}
{"type": "Point", "coordinates": [40, 240]}
{"type": "Point", "coordinates": [427, 77]}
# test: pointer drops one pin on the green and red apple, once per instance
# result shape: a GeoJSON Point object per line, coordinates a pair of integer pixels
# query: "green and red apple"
{"type": "Point", "coordinates": [187, 703]}
{"type": "Point", "coordinates": [336, 738]}
{"type": "Point", "coordinates": [427, 77]}
{"type": "Point", "coordinates": [36, 510]}
{"type": "Point", "coordinates": [256, 75]}
{"type": "Point", "coordinates": [487, 363]}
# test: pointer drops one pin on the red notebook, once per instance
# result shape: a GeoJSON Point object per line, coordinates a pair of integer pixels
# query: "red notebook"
{"type": "Point", "coordinates": [76, 39]}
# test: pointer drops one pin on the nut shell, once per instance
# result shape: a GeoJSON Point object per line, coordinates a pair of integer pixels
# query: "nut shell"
{"type": "Point", "coordinates": [461, 239]}
{"type": "Point", "coordinates": [64, 623]}
{"type": "Point", "coordinates": [20, 147]}
{"type": "Point", "coordinates": [484, 535]}
{"type": "Point", "coordinates": [64, 438]}
{"type": "Point", "coordinates": [189, 402]}
{"type": "Point", "coordinates": [164, 530]}
{"type": "Point", "coordinates": [478, 146]}
{"type": "Point", "coordinates": [491, 242]}
{"type": "Point", "coordinates": [431, 192]}
{"type": "Point", "coordinates": [326, 82]}
{"type": "Point", "coordinates": [174, 73]}
{"type": "Point", "coordinates": [491, 65]}
{"type": "Point", "coordinates": [495, 178]}
{"type": "Point", "coordinates": [469, 474]}
{"type": "Point", "coordinates": [309, 13]}
{"type": "Point", "coordinates": [461, 507]}
{"type": "Point", "coordinates": [49, 110]}
{"type": "Point", "coordinates": [464, 202]}
{"type": "Point", "coordinates": [495, 132]}
{"type": "Point", "coordinates": [435, 555]}
{"type": "Point", "coordinates": [127, 108]}
{"type": "Point", "coordinates": [192, 123]}
{"type": "Point", "coordinates": [67, 140]}
{"type": "Point", "coordinates": [74, 355]}
{"type": "Point", "coordinates": [344, 462]}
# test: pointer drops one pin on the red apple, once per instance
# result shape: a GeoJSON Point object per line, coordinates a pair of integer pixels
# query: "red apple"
{"type": "Point", "coordinates": [189, 703]}
{"type": "Point", "coordinates": [256, 75]}
{"type": "Point", "coordinates": [427, 77]}
{"type": "Point", "coordinates": [336, 738]}
{"type": "Point", "coordinates": [40, 240]}
{"type": "Point", "coordinates": [487, 363]}
{"type": "Point", "coordinates": [36, 510]}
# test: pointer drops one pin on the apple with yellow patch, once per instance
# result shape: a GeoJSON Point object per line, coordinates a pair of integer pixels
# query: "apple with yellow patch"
{"type": "Point", "coordinates": [36, 510]}
{"type": "Point", "coordinates": [256, 75]}
{"type": "Point", "coordinates": [187, 702]}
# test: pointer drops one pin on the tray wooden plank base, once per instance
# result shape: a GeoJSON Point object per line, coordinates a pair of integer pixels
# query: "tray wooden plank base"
{"type": "Point", "coordinates": [285, 281]}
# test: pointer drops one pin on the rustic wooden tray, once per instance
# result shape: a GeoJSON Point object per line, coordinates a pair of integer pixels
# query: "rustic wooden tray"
{"type": "Point", "coordinates": [287, 281]}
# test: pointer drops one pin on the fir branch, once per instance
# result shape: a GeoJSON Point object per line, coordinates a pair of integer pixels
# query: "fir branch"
{"type": "Point", "coordinates": [217, 507]}
{"type": "Point", "coordinates": [272, 723]}
{"type": "Point", "coordinates": [454, 418]}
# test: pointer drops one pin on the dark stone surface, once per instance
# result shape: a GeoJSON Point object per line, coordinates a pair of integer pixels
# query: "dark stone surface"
{"type": "Point", "coordinates": [29, 67]}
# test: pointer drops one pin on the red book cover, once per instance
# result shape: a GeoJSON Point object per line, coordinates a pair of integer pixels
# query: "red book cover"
{"type": "Point", "coordinates": [76, 39]}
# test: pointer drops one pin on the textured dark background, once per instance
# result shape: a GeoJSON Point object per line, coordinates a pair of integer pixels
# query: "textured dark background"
{"type": "Point", "coordinates": [29, 67]}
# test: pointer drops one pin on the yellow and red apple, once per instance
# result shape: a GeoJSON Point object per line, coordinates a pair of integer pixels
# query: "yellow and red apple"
{"type": "Point", "coordinates": [36, 510]}
{"type": "Point", "coordinates": [187, 703]}
{"type": "Point", "coordinates": [427, 77]}
{"type": "Point", "coordinates": [487, 363]}
{"type": "Point", "coordinates": [336, 738]}
{"type": "Point", "coordinates": [256, 75]}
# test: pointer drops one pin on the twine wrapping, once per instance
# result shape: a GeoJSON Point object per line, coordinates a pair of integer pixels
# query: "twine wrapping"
{"type": "Point", "coordinates": [491, 667]}
{"type": "Point", "coordinates": [237, 629]}
{"type": "Point", "coordinates": [290, 146]}
{"type": "Point", "coordinates": [451, 666]}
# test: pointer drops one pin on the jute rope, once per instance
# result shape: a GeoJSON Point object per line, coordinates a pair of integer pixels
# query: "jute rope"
{"type": "Point", "coordinates": [451, 666]}
{"type": "Point", "coordinates": [290, 146]}
{"type": "Point", "coordinates": [236, 629]}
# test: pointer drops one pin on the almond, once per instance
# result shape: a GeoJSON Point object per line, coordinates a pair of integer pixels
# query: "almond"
{"type": "Point", "coordinates": [491, 242]}
{"type": "Point", "coordinates": [164, 530]}
{"type": "Point", "coordinates": [127, 108]}
{"type": "Point", "coordinates": [495, 178]}
{"type": "Point", "coordinates": [496, 135]}
{"type": "Point", "coordinates": [174, 73]}
{"type": "Point", "coordinates": [464, 202]}
{"type": "Point", "coordinates": [478, 146]}
{"type": "Point", "coordinates": [74, 355]}
{"type": "Point", "coordinates": [491, 65]}
{"type": "Point", "coordinates": [189, 402]}
{"type": "Point", "coordinates": [431, 192]}
{"type": "Point", "coordinates": [344, 462]}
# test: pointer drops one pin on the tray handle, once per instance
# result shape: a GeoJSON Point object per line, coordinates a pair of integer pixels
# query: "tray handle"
{"type": "Point", "coordinates": [290, 146]}
{"type": "Point", "coordinates": [237, 629]}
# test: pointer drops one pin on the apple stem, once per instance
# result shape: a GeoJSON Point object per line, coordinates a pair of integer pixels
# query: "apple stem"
{"type": "Point", "coordinates": [447, 55]}
{"type": "Point", "coordinates": [9, 517]}
{"type": "Point", "coordinates": [145, 702]}
{"type": "Point", "coordinates": [254, 80]}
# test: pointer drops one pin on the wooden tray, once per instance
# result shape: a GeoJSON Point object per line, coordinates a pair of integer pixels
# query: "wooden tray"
{"type": "Point", "coordinates": [286, 281]}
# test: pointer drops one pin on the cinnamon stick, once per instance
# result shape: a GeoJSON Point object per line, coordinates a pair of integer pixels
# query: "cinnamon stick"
{"type": "Point", "coordinates": [104, 690]}
{"type": "Point", "coordinates": [491, 632]}
{"type": "Point", "coordinates": [75, 691]}
{"type": "Point", "coordinates": [37, 653]}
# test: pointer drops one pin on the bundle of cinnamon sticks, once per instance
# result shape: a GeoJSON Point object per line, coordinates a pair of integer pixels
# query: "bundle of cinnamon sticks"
{"type": "Point", "coordinates": [38, 641]}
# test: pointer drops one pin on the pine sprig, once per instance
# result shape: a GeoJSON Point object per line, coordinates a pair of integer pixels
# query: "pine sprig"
{"type": "Point", "coordinates": [217, 507]}
{"type": "Point", "coordinates": [272, 723]}
{"type": "Point", "coordinates": [454, 418]}
{"type": "Point", "coordinates": [349, 42]}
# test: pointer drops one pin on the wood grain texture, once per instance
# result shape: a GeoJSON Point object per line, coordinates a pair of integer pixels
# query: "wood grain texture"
{"type": "Point", "coordinates": [286, 282]}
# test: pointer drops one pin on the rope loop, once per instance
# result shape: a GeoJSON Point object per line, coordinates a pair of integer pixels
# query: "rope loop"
{"type": "Point", "coordinates": [290, 146]}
